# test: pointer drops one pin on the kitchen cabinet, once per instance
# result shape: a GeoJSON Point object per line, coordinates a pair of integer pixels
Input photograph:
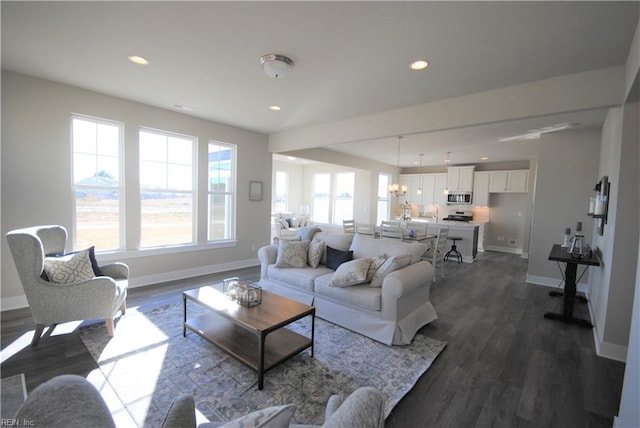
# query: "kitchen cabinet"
{"type": "Point", "coordinates": [509, 181]}
{"type": "Point", "coordinates": [481, 189]}
{"type": "Point", "coordinates": [460, 178]}
{"type": "Point", "coordinates": [433, 186]}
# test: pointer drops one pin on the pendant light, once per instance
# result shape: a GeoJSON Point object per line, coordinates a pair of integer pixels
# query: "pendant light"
{"type": "Point", "coordinates": [419, 191]}
{"type": "Point", "coordinates": [447, 162]}
{"type": "Point", "coordinates": [397, 189]}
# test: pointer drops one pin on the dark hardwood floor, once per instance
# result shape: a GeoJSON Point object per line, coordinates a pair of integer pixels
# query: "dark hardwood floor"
{"type": "Point", "coordinates": [504, 365]}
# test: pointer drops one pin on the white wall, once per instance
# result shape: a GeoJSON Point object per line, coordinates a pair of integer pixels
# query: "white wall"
{"type": "Point", "coordinates": [36, 182]}
{"type": "Point", "coordinates": [567, 171]}
{"type": "Point", "coordinates": [296, 185]}
{"type": "Point", "coordinates": [507, 216]}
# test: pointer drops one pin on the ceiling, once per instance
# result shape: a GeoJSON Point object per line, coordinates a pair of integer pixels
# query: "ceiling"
{"type": "Point", "coordinates": [351, 59]}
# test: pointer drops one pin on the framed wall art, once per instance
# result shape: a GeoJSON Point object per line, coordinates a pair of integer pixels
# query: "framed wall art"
{"type": "Point", "coordinates": [255, 190]}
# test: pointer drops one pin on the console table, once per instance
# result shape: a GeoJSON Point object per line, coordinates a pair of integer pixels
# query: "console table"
{"type": "Point", "coordinates": [560, 254]}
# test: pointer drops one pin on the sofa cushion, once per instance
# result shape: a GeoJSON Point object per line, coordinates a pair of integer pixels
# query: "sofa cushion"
{"type": "Point", "coordinates": [271, 417]}
{"type": "Point", "coordinates": [292, 254]}
{"type": "Point", "coordinates": [375, 264]}
{"type": "Point", "coordinates": [336, 257]}
{"type": "Point", "coordinates": [351, 273]}
{"type": "Point", "coordinates": [315, 252]}
{"type": "Point", "coordinates": [360, 295]}
{"type": "Point", "coordinates": [391, 264]}
{"type": "Point", "coordinates": [302, 278]}
{"type": "Point", "coordinates": [339, 241]}
{"type": "Point", "coordinates": [366, 246]}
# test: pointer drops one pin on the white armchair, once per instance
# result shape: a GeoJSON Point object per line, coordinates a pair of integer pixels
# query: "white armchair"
{"type": "Point", "coordinates": [52, 303]}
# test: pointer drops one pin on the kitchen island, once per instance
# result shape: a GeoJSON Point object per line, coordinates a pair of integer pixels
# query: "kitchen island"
{"type": "Point", "coordinates": [468, 246]}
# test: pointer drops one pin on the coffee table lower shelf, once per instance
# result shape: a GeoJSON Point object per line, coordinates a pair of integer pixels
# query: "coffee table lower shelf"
{"type": "Point", "coordinates": [244, 345]}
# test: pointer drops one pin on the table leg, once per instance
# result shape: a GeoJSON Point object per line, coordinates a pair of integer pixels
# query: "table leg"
{"type": "Point", "coordinates": [261, 346]}
{"type": "Point", "coordinates": [313, 329]}
{"type": "Point", "coordinates": [184, 316]}
{"type": "Point", "coordinates": [569, 297]}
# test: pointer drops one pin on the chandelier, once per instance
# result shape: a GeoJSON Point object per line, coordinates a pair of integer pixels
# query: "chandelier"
{"type": "Point", "coordinates": [397, 189]}
{"type": "Point", "coordinates": [419, 191]}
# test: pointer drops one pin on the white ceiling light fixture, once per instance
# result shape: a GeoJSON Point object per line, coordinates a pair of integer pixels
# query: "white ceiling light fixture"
{"type": "Point", "coordinates": [397, 189]}
{"type": "Point", "coordinates": [275, 108]}
{"type": "Point", "coordinates": [275, 65]}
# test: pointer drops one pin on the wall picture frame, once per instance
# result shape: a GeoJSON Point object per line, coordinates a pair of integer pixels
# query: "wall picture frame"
{"type": "Point", "coordinates": [255, 190]}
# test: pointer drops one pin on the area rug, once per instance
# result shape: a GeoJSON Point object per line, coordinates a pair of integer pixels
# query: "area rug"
{"type": "Point", "coordinates": [13, 393]}
{"type": "Point", "coordinates": [148, 363]}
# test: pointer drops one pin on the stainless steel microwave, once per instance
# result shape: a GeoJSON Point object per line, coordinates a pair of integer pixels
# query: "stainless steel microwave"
{"type": "Point", "coordinates": [459, 198]}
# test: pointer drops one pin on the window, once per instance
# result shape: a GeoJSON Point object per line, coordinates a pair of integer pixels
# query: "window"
{"type": "Point", "coordinates": [221, 191]}
{"type": "Point", "coordinates": [321, 197]}
{"type": "Point", "coordinates": [383, 197]}
{"type": "Point", "coordinates": [97, 183]}
{"type": "Point", "coordinates": [166, 188]}
{"type": "Point", "coordinates": [343, 201]}
{"type": "Point", "coordinates": [282, 192]}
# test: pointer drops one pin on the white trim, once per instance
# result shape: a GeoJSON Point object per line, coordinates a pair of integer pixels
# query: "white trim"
{"type": "Point", "coordinates": [500, 249]}
{"type": "Point", "coordinates": [603, 349]}
{"type": "Point", "coordinates": [18, 302]}
{"type": "Point", "coordinates": [121, 255]}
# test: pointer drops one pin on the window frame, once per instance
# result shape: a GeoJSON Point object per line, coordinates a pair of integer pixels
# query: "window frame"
{"type": "Point", "coordinates": [121, 181]}
{"type": "Point", "coordinates": [193, 192]}
{"type": "Point", "coordinates": [232, 193]}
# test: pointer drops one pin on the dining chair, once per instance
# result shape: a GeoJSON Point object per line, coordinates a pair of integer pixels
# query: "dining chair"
{"type": "Point", "coordinates": [391, 229]}
{"type": "Point", "coordinates": [365, 229]}
{"type": "Point", "coordinates": [349, 226]}
{"type": "Point", "coordinates": [436, 254]}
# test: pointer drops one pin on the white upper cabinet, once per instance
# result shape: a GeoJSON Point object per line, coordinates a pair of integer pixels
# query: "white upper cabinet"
{"type": "Point", "coordinates": [481, 188]}
{"type": "Point", "coordinates": [433, 186]}
{"type": "Point", "coordinates": [460, 178]}
{"type": "Point", "coordinates": [509, 181]}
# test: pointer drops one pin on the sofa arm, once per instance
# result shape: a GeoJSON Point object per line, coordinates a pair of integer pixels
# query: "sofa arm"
{"type": "Point", "coordinates": [363, 408]}
{"type": "Point", "coordinates": [267, 256]}
{"type": "Point", "coordinates": [403, 281]}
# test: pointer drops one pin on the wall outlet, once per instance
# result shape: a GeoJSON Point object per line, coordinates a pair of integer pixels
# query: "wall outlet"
{"type": "Point", "coordinates": [513, 242]}
{"type": "Point", "coordinates": [500, 238]}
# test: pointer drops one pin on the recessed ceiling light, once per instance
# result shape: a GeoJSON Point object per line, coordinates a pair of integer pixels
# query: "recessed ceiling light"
{"type": "Point", "coordinates": [419, 65]}
{"type": "Point", "coordinates": [484, 158]}
{"type": "Point", "coordinates": [275, 108]}
{"type": "Point", "coordinates": [291, 158]}
{"type": "Point", "coordinates": [138, 60]}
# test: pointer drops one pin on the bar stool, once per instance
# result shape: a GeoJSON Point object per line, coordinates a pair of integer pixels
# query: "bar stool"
{"type": "Point", "coordinates": [453, 252]}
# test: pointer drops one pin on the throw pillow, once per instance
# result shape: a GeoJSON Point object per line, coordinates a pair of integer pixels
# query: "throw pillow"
{"type": "Point", "coordinates": [336, 257]}
{"type": "Point", "coordinates": [376, 263]}
{"type": "Point", "coordinates": [391, 264]}
{"type": "Point", "coordinates": [70, 268]}
{"type": "Point", "coordinates": [351, 273]}
{"type": "Point", "coordinates": [271, 417]}
{"type": "Point", "coordinates": [292, 254]}
{"type": "Point", "coordinates": [315, 252]}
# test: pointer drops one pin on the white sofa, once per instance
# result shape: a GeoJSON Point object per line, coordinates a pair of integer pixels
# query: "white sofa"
{"type": "Point", "coordinates": [391, 314]}
{"type": "Point", "coordinates": [285, 225]}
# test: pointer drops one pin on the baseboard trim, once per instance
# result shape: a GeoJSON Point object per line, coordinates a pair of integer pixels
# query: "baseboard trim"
{"type": "Point", "coordinates": [18, 302]}
{"type": "Point", "coordinates": [603, 349]}
{"type": "Point", "coordinates": [510, 250]}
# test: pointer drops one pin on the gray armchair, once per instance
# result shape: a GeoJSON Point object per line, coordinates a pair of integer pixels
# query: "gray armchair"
{"type": "Point", "coordinates": [100, 297]}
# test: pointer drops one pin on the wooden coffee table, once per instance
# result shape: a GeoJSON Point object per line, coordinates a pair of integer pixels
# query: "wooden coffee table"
{"type": "Point", "coordinates": [255, 336]}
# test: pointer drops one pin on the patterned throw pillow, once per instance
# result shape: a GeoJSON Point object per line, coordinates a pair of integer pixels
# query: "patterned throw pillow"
{"type": "Point", "coordinates": [314, 254]}
{"type": "Point", "coordinates": [292, 254]}
{"type": "Point", "coordinates": [271, 417]}
{"type": "Point", "coordinates": [376, 263]}
{"type": "Point", "coordinates": [351, 273]}
{"type": "Point", "coordinates": [70, 268]}
{"type": "Point", "coordinates": [391, 264]}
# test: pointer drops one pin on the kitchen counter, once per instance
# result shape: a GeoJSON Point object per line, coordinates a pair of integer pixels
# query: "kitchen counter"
{"type": "Point", "coordinates": [468, 246]}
